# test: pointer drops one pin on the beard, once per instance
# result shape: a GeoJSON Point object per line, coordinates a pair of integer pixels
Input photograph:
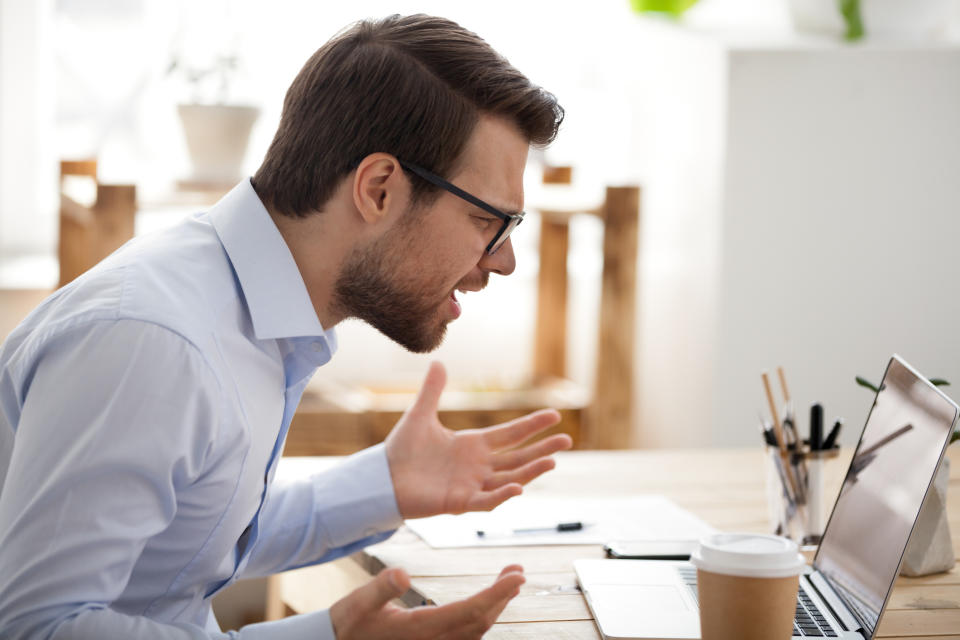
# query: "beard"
{"type": "Point", "coordinates": [370, 288]}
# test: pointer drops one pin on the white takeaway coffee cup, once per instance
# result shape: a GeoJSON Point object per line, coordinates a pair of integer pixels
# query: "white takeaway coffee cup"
{"type": "Point", "coordinates": [747, 586]}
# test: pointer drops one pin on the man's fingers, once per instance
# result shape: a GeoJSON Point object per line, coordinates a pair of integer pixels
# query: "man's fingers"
{"type": "Point", "coordinates": [516, 431]}
{"type": "Point", "coordinates": [510, 568]}
{"type": "Point", "coordinates": [389, 584]}
{"type": "Point", "coordinates": [521, 476]}
{"type": "Point", "coordinates": [509, 460]}
{"type": "Point", "coordinates": [482, 609]}
{"type": "Point", "coordinates": [349, 614]}
{"type": "Point", "coordinates": [488, 500]}
{"type": "Point", "coordinates": [476, 614]}
{"type": "Point", "coordinates": [428, 399]}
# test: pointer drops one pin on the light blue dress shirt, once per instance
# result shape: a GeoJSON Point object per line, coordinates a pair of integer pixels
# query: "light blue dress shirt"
{"type": "Point", "coordinates": [143, 408]}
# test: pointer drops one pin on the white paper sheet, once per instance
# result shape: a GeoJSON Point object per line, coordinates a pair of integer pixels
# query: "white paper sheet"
{"type": "Point", "coordinates": [647, 517]}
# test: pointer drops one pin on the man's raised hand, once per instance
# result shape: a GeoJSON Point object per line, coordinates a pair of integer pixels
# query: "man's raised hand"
{"type": "Point", "coordinates": [437, 470]}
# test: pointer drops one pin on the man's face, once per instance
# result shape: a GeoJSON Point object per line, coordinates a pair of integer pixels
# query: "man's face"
{"type": "Point", "coordinates": [404, 283]}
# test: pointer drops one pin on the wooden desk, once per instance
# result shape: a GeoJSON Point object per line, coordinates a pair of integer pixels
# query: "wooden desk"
{"type": "Point", "coordinates": [724, 487]}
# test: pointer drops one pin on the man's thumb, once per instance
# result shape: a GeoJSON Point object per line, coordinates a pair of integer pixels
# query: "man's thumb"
{"type": "Point", "coordinates": [428, 400]}
{"type": "Point", "coordinates": [389, 584]}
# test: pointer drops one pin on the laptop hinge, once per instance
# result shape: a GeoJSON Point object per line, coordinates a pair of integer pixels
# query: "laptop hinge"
{"type": "Point", "coordinates": [829, 596]}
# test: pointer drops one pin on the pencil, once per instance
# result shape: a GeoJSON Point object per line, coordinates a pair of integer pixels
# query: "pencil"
{"type": "Point", "coordinates": [778, 431]}
{"type": "Point", "coordinates": [790, 432]}
{"type": "Point", "coordinates": [777, 427]}
{"type": "Point", "coordinates": [798, 460]}
{"type": "Point", "coordinates": [783, 384]}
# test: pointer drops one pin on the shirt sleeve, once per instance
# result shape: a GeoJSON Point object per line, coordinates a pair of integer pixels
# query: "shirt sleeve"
{"type": "Point", "coordinates": [329, 515]}
{"type": "Point", "coordinates": [97, 623]}
{"type": "Point", "coordinates": [115, 417]}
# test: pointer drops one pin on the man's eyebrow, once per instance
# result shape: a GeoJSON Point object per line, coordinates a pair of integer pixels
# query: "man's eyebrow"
{"type": "Point", "coordinates": [510, 212]}
{"type": "Point", "coordinates": [504, 210]}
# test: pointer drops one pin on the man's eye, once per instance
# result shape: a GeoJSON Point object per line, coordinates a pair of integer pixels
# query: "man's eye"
{"type": "Point", "coordinates": [484, 221]}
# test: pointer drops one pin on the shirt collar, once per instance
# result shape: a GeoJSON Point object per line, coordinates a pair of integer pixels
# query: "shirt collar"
{"type": "Point", "coordinates": [276, 296]}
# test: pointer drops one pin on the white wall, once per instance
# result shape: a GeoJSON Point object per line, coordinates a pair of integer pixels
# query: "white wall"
{"type": "Point", "coordinates": [28, 170]}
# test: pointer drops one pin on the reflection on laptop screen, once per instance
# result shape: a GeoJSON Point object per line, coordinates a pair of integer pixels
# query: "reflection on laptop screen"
{"type": "Point", "coordinates": [905, 434]}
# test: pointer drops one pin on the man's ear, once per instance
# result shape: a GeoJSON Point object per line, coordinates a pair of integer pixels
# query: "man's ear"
{"type": "Point", "coordinates": [378, 187]}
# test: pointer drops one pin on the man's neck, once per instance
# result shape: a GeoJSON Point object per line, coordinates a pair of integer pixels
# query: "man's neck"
{"type": "Point", "coordinates": [318, 251]}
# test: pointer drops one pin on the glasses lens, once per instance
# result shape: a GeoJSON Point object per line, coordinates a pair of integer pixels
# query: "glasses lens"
{"type": "Point", "coordinates": [508, 228]}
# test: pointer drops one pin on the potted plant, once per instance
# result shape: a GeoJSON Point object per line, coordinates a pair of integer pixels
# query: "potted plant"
{"type": "Point", "coordinates": [217, 132]}
{"type": "Point", "coordinates": [673, 8]}
{"type": "Point", "coordinates": [930, 549]}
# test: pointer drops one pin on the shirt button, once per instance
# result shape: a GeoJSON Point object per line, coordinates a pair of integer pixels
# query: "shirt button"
{"type": "Point", "coordinates": [317, 346]}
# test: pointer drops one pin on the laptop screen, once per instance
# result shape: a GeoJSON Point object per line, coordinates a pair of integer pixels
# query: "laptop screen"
{"type": "Point", "coordinates": [906, 432]}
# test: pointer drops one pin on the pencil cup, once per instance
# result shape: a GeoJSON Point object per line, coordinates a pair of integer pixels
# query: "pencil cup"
{"type": "Point", "coordinates": [785, 496]}
{"type": "Point", "coordinates": [815, 507]}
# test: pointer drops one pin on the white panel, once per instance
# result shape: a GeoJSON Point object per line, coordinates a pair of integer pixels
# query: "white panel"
{"type": "Point", "coordinates": [840, 225]}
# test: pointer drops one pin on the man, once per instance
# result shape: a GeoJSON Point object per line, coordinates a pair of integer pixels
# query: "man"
{"type": "Point", "coordinates": [144, 406]}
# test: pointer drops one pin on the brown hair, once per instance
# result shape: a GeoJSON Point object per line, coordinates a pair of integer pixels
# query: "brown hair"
{"type": "Point", "coordinates": [412, 86]}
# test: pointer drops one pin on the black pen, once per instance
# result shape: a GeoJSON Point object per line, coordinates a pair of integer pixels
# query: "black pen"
{"type": "Point", "coordinates": [769, 439]}
{"type": "Point", "coordinates": [832, 436]}
{"type": "Point", "coordinates": [563, 526]}
{"type": "Point", "coordinates": [816, 427]}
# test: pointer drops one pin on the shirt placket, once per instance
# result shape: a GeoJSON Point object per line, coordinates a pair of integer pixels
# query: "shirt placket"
{"type": "Point", "coordinates": [300, 363]}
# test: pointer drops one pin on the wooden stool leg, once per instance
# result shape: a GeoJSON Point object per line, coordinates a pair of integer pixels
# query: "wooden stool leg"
{"type": "Point", "coordinates": [610, 416]}
{"type": "Point", "coordinates": [550, 342]}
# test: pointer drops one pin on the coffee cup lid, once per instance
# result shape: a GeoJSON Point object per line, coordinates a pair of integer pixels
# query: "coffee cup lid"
{"type": "Point", "coordinates": [748, 554]}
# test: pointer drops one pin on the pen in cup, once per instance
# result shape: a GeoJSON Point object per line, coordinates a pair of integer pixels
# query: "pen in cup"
{"type": "Point", "coordinates": [816, 427]}
{"type": "Point", "coordinates": [768, 437]}
{"type": "Point", "coordinates": [831, 438]}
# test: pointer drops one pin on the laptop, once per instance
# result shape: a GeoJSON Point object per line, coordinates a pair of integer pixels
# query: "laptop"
{"type": "Point", "coordinates": [844, 593]}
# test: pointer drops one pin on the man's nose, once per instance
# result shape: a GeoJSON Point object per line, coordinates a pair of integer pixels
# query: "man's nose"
{"type": "Point", "coordinates": [502, 262]}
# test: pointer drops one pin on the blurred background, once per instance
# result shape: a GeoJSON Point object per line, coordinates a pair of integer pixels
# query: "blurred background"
{"type": "Point", "coordinates": [798, 201]}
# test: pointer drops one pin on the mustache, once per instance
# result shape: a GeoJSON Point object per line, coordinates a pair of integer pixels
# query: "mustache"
{"type": "Point", "coordinates": [474, 284]}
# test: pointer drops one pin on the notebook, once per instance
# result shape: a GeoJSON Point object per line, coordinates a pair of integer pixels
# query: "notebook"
{"type": "Point", "coordinates": [844, 593]}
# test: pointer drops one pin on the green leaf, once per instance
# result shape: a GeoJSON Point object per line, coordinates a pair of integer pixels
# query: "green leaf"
{"type": "Point", "coordinates": [850, 10]}
{"type": "Point", "coordinates": [955, 437]}
{"type": "Point", "coordinates": [863, 382]}
{"type": "Point", "coordinates": [939, 382]}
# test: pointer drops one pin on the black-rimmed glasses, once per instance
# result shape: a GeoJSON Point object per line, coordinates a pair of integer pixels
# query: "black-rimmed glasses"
{"type": "Point", "coordinates": [510, 220]}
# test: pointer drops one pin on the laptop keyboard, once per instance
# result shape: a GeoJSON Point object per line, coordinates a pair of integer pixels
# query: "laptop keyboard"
{"type": "Point", "coordinates": [808, 622]}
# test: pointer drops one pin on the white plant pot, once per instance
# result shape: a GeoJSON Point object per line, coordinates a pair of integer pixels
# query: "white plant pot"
{"type": "Point", "coordinates": [882, 19]}
{"type": "Point", "coordinates": [930, 549]}
{"type": "Point", "coordinates": [217, 137]}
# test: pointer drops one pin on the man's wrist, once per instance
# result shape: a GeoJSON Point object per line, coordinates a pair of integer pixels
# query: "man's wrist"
{"type": "Point", "coordinates": [368, 508]}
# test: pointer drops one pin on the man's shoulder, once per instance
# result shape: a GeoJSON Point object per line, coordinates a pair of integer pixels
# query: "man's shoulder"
{"type": "Point", "coordinates": [179, 275]}
{"type": "Point", "coordinates": [178, 278]}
